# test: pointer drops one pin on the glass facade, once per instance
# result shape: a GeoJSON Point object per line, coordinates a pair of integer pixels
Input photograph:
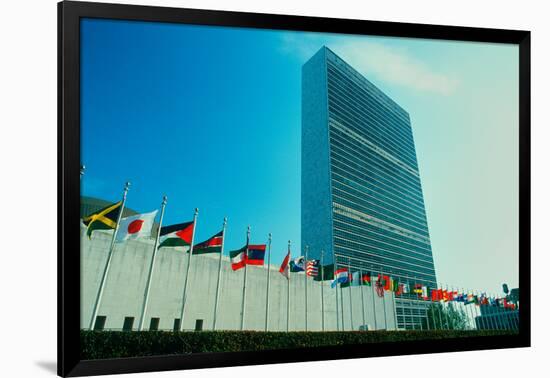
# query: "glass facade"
{"type": "Point", "coordinates": [362, 201]}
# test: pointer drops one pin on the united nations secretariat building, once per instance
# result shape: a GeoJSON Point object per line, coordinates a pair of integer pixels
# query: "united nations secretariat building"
{"type": "Point", "coordinates": [362, 198]}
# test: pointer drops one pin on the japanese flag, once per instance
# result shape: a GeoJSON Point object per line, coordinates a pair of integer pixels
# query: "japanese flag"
{"type": "Point", "coordinates": [136, 226]}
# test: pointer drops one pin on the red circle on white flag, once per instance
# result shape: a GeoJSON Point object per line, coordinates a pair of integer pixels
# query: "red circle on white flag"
{"type": "Point", "coordinates": [135, 226]}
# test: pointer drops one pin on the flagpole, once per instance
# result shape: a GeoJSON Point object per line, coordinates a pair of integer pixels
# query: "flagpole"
{"type": "Point", "coordinates": [421, 325]}
{"type": "Point", "coordinates": [342, 306]}
{"type": "Point", "coordinates": [186, 282]}
{"type": "Point", "coordinates": [288, 292]}
{"type": "Point", "coordinates": [267, 293]}
{"type": "Point", "coordinates": [373, 291]}
{"type": "Point", "coordinates": [219, 276]}
{"type": "Point", "coordinates": [350, 277]}
{"type": "Point", "coordinates": [446, 312]}
{"type": "Point", "coordinates": [384, 301]}
{"type": "Point", "coordinates": [243, 307]}
{"type": "Point", "coordinates": [472, 311]}
{"type": "Point", "coordinates": [151, 267]}
{"type": "Point", "coordinates": [305, 282]}
{"type": "Point", "coordinates": [336, 301]}
{"type": "Point", "coordinates": [494, 318]}
{"type": "Point", "coordinates": [464, 300]}
{"type": "Point", "coordinates": [497, 314]}
{"type": "Point", "coordinates": [394, 293]}
{"type": "Point", "coordinates": [362, 297]}
{"type": "Point", "coordinates": [322, 293]}
{"type": "Point", "coordinates": [109, 258]}
{"type": "Point", "coordinates": [433, 315]}
{"type": "Point", "coordinates": [439, 307]}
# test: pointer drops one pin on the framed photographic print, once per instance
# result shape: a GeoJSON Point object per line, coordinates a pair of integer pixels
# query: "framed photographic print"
{"type": "Point", "coordinates": [240, 188]}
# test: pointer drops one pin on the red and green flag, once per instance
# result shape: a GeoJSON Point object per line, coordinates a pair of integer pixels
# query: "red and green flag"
{"type": "Point", "coordinates": [176, 235]}
{"type": "Point", "coordinates": [212, 245]}
{"type": "Point", "coordinates": [365, 279]}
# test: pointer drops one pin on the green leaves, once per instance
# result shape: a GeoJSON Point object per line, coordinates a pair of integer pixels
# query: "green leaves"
{"type": "Point", "coordinates": [117, 344]}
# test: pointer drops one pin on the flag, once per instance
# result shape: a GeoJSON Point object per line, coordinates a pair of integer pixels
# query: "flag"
{"type": "Point", "coordinates": [365, 279]}
{"type": "Point", "coordinates": [312, 268]}
{"type": "Point", "coordinates": [395, 287]}
{"type": "Point", "coordinates": [136, 226]}
{"type": "Point", "coordinates": [405, 288]}
{"type": "Point", "coordinates": [327, 272]}
{"type": "Point", "coordinates": [356, 279]}
{"type": "Point", "coordinates": [238, 258]}
{"type": "Point", "coordinates": [176, 235]}
{"type": "Point", "coordinates": [340, 276]}
{"type": "Point", "coordinates": [297, 265]}
{"type": "Point", "coordinates": [255, 254]}
{"type": "Point", "coordinates": [417, 289]}
{"type": "Point", "coordinates": [360, 279]}
{"type": "Point", "coordinates": [212, 245]}
{"type": "Point", "coordinates": [104, 219]}
{"type": "Point", "coordinates": [425, 293]}
{"type": "Point", "coordinates": [437, 295]}
{"type": "Point", "coordinates": [285, 268]}
{"type": "Point", "coordinates": [387, 283]}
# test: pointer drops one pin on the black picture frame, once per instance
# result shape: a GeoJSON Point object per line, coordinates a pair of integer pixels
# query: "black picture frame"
{"type": "Point", "coordinates": [69, 15]}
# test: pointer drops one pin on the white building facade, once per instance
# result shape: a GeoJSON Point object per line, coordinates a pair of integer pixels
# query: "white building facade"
{"type": "Point", "coordinates": [122, 301]}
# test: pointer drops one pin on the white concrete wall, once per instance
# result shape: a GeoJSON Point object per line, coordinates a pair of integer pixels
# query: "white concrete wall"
{"type": "Point", "coordinates": [125, 286]}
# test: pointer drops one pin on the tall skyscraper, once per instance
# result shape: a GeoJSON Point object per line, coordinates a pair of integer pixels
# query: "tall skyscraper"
{"type": "Point", "coordinates": [362, 201]}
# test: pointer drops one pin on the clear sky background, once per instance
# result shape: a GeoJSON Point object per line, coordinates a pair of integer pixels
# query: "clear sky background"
{"type": "Point", "coordinates": [210, 116]}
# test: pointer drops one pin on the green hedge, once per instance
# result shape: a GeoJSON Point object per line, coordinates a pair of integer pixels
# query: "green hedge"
{"type": "Point", "coordinates": [116, 344]}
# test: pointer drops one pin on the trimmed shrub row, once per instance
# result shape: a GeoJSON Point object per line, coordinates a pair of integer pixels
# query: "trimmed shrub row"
{"type": "Point", "coordinates": [117, 344]}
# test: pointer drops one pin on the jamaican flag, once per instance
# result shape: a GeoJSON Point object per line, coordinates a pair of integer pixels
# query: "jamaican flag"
{"type": "Point", "coordinates": [104, 219]}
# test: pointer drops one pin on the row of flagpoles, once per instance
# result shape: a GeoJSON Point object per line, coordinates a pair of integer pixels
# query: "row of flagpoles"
{"type": "Point", "coordinates": [182, 235]}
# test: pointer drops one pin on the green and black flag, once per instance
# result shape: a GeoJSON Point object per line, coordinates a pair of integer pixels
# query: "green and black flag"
{"type": "Point", "coordinates": [212, 245]}
{"type": "Point", "coordinates": [104, 219]}
{"type": "Point", "coordinates": [327, 273]}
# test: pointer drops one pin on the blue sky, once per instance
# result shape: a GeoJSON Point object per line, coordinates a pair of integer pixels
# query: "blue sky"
{"type": "Point", "coordinates": [210, 116]}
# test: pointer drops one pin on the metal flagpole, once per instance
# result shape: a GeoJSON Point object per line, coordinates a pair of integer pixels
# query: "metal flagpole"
{"type": "Point", "coordinates": [219, 276]}
{"type": "Point", "coordinates": [447, 312]}
{"type": "Point", "coordinates": [243, 307]}
{"type": "Point", "coordinates": [288, 292]}
{"type": "Point", "coordinates": [82, 169]}
{"type": "Point", "coordinates": [350, 277]}
{"type": "Point", "coordinates": [267, 291]}
{"type": "Point", "coordinates": [421, 325]}
{"type": "Point", "coordinates": [472, 311]}
{"type": "Point", "coordinates": [497, 315]}
{"type": "Point", "coordinates": [490, 319]}
{"type": "Point", "coordinates": [342, 307]}
{"type": "Point", "coordinates": [151, 267]}
{"type": "Point", "coordinates": [322, 293]}
{"type": "Point", "coordinates": [362, 297]}
{"type": "Point", "coordinates": [109, 258]}
{"type": "Point", "coordinates": [429, 292]}
{"type": "Point", "coordinates": [488, 316]}
{"type": "Point", "coordinates": [471, 314]}
{"type": "Point", "coordinates": [336, 302]}
{"type": "Point", "coordinates": [384, 301]}
{"type": "Point", "coordinates": [394, 309]}
{"type": "Point", "coordinates": [186, 282]}
{"type": "Point", "coordinates": [439, 309]}
{"type": "Point", "coordinates": [423, 298]}
{"type": "Point", "coordinates": [373, 291]}
{"type": "Point", "coordinates": [305, 282]}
